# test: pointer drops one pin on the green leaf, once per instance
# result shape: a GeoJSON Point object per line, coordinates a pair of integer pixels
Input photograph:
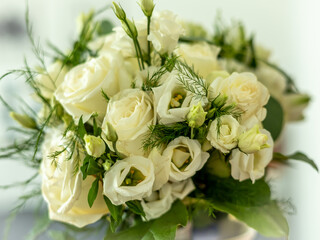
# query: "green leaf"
{"type": "Point", "coordinates": [267, 219]}
{"type": "Point", "coordinates": [163, 228]}
{"type": "Point", "coordinates": [81, 129]}
{"type": "Point", "coordinates": [296, 156]}
{"type": "Point", "coordinates": [116, 214]}
{"type": "Point", "coordinates": [84, 167]}
{"type": "Point", "coordinates": [135, 207]}
{"type": "Point", "coordinates": [105, 27]}
{"type": "Point", "coordinates": [274, 119]}
{"type": "Point", "coordinates": [60, 235]}
{"type": "Point", "coordinates": [93, 167]}
{"type": "Point", "coordinates": [93, 192]}
{"type": "Point", "coordinates": [96, 130]}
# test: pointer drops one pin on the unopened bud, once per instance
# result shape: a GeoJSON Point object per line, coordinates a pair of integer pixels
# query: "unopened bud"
{"type": "Point", "coordinates": [252, 141]}
{"type": "Point", "coordinates": [147, 7]}
{"type": "Point", "coordinates": [95, 146]}
{"type": "Point", "coordinates": [110, 132]}
{"type": "Point", "coordinates": [129, 27]}
{"type": "Point", "coordinates": [24, 120]}
{"type": "Point", "coordinates": [218, 166]}
{"type": "Point", "coordinates": [118, 11]}
{"type": "Point", "coordinates": [196, 116]}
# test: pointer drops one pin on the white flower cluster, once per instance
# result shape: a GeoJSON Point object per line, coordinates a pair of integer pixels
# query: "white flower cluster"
{"type": "Point", "coordinates": [159, 175]}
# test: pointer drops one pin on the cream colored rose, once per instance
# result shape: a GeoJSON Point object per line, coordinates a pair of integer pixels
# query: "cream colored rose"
{"type": "Point", "coordinates": [95, 146]}
{"type": "Point", "coordinates": [49, 81]}
{"type": "Point", "coordinates": [80, 93]}
{"type": "Point", "coordinates": [165, 31]}
{"type": "Point", "coordinates": [63, 189]}
{"type": "Point", "coordinates": [225, 138]}
{"type": "Point", "coordinates": [244, 90]}
{"type": "Point", "coordinates": [186, 158]}
{"type": "Point", "coordinates": [129, 179]}
{"type": "Point", "coordinates": [172, 101]}
{"type": "Point", "coordinates": [158, 203]}
{"type": "Point", "coordinates": [130, 112]}
{"type": "Point", "coordinates": [202, 56]}
{"type": "Point", "coordinates": [245, 166]}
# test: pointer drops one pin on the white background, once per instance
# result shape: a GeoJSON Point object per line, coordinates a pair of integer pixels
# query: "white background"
{"type": "Point", "coordinates": [290, 28]}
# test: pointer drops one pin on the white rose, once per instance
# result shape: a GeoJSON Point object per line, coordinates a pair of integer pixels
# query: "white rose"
{"type": "Point", "coordinates": [158, 203]}
{"type": "Point", "coordinates": [49, 81]}
{"type": "Point", "coordinates": [245, 166]}
{"type": "Point", "coordinates": [129, 179]}
{"type": "Point", "coordinates": [161, 168]}
{"type": "Point", "coordinates": [225, 138]}
{"type": "Point", "coordinates": [65, 192]}
{"type": "Point", "coordinates": [80, 93]}
{"type": "Point", "coordinates": [130, 112]}
{"type": "Point", "coordinates": [172, 101]}
{"type": "Point", "coordinates": [244, 90]}
{"type": "Point", "coordinates": [165, 31]}
{"type": "Point", "coordinates": [186, 158]}
{"type": "Point", "coordinates": [202, 56]}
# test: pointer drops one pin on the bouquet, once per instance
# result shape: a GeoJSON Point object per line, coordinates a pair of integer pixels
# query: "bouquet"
{"type": "Point", "coordinates": [143, 125]}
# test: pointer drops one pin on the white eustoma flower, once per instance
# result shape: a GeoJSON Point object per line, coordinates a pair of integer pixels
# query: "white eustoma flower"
{"type": "Point", "coordinates": [202, 56]}
{"type": "Point", "coordinates": [186, 158]}
{"type": "Point", "coordinates": [245, 91]}
{"type": "Point", "coordinates": [225, 138]}
{"type": "Point", "coordinates": [129, 179]}
{"type": "Point", "coordinates": [130, 112]}
{"type": "Point", "coordinates": [182, 189]}
{"type": "Point", "coordinates": [252, 140]}
{"type": "Point", "coordinates": [161, 168]}
{"type": "Point", "coordinates": [158, 203]}
{"type": "Point", "coordinates": [172, 101]}
{"type": "Point", "coordinates": [294, 104]}
{"type": "Point", "coordinates": [245, 166]}
{"type": "Point", "coordinates": [80, 93]}
{"type": "Point", "coordinates": [65, 191]}
{"type": "Point", "coordinates": [49, 81]}
{"type": "Point", "coordinates": [165, 31]}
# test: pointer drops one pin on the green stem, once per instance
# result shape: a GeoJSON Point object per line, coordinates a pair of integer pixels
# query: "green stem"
{"type": "Point", "coordinates": [140, 52]}
{"type": "Point", "coordinates": [149, 43]}
{"type": "Point", "coordinates": [192, 133]}
{"type": "Point", "coordinates": [114, 145]}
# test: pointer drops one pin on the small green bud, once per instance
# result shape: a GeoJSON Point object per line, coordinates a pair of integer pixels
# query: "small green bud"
{"type": "Point", "coordinates": [220, 100]}
{"type": "Point", "coordinates": [252, 141]}
{"type": "Point", "coordinates": [130, 28]}
{"type": "Point", "coordinates": [147, 7]}
{"type": "Point", "coordinates": [110, 132]}
{"type": "Point", "coordinates": [106, 165]}
{"type": "Point", "coordinates": [24, 120]}
{"type": "Point", "coordinates": [95, 146]}
{"type": "Point", "coordinates": [196, 116]}
{"type": "Point", "coordinates": [118, 11]}
{"type": "Point", "coordinates": [217, 165]}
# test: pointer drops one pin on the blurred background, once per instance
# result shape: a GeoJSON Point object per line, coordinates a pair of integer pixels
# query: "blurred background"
{"type": "Point", "coordinates": [289, 28]}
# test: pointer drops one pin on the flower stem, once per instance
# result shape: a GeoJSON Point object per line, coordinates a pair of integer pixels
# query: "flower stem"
{"type": "Point", "coordinates": [149, 43]}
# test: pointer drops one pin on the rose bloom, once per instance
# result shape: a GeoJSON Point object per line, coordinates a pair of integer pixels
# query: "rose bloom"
{"type": "Point", "coordinates": [245, 166]}
{"type": "Point", "coordinates": [80, 93]}
{"type": "Point", "coordinates": [186, 158]}
{"type": "Point", "coordinates": [225, 138]}
{"type": "Point", "coordinates": [130, 112]}
{"type": "Point", "coordinates": [65, 191]}
{"type": "Point", "coordinates": [202, 56]}
{"type": "Point", "coordinates": [246, 92]}
{"type": "Point", "coordinates": [129, 179]}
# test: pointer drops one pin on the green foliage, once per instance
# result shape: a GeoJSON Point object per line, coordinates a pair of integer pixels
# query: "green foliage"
{"type": "Point", "coordinates": [104, 27]}
{"type": "Point", "coordinates": [135, 207]}
{"type": "Point", "coordinates": [41, 225]}
{"type": "Point", "coordinates": [162, 228]}
{"type": "Point", "coordinates": [191, 81]}
{"type": "Point", "coordinates": [295, 156]}
{"type": "Point", "coordinates": [275, 118]}
{"type": "Point", "coordinates": [93, 192]}
{"type": "Point", "coordinates": [160, 135]}
{"type": "Point", "coordinates": [116, 214]}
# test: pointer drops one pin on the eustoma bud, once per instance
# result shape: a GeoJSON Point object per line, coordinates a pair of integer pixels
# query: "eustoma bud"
{"type": "Point", "coordinates": [94, 145]}
{"type": "Point", "coordinates": [196, 116]}
{"type": "Point", "coordinates": [147, 7]}
{"type": "Point", "coordinates": [110, 132]}
{"type": "Point", "coordinates": [118, 11]}
{"type": "Point", "coordinates": [23, 120]}
{"type": "Point", "coordinates": [252, 141]}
